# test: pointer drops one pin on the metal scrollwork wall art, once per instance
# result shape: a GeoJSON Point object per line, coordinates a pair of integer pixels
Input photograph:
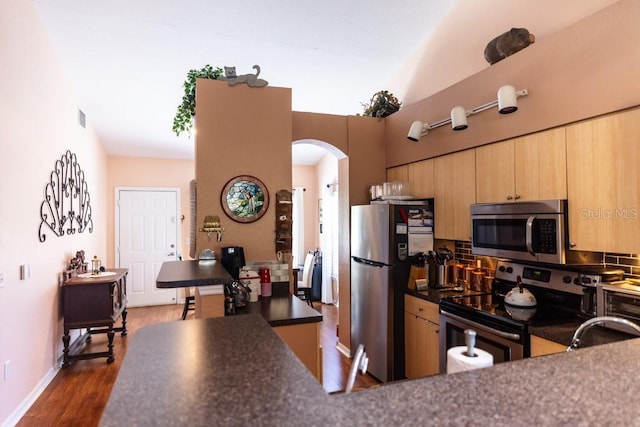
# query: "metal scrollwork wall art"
{"type": "Point", "coordinates": [66, 208]}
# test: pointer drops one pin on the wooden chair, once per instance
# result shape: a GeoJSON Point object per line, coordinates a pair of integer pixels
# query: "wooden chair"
{"type": "Point", "coordinates": [189, 301]}
{"type": "Point", "coordinates": [304, 285]}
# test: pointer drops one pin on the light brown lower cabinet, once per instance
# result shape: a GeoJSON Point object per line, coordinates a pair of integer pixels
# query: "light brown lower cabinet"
{"type": "Point", "coordinates": [208, 303]}
{"type": "Point", "coordinates": [542, 347]}
{"type": "Point", "coordinates": [421, 338]}
{"type": "Point", "coordinates": [304, 340]}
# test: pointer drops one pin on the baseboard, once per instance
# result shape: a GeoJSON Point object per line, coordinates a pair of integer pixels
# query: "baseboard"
{"type": "Point", "coordinates": [344, 350]}
{"type": "Point", "coordinates": [24, 406]}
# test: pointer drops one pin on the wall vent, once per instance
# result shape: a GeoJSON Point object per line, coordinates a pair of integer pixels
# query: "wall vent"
{"type": "Point", "coordinates": [82, 119]}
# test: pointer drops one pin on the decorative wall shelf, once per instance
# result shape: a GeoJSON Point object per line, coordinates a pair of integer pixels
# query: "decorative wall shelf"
{"type": "Point", "coordinates": [284, 211]}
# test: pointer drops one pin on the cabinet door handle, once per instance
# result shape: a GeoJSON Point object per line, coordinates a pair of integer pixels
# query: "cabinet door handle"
{"type": "Point", "coordinates": [517, 196]}
{"type": "Point", "coordinates": [420, 309]}
{"type": "Point", "coordinates": [509, 197]}
{"type": "Point", "coordinates": [171, 254]}
{"type": "Point", "coordinates": [572, 244]}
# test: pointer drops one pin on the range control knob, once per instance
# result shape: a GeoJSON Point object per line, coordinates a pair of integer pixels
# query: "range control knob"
{"type": "Point", "coordinates": [576, 281]}
{"type": "Point", "coordinates": [501, 268]}
{"type": "Point", "coordinates": [567, 279]}
{"type": "Point", "coordinates": [509, 270]}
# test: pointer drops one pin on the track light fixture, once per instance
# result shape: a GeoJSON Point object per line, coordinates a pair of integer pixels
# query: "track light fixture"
{"type": "Point", "coordinates": [417, 130]}
{"type": "Point", "coordinates": [507, 103]}
{"type": "Point", "coordinates": [459, 118]}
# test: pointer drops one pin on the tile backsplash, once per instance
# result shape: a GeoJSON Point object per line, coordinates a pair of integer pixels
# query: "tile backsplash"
{"type": "Point", "coordinates": [629, 263]}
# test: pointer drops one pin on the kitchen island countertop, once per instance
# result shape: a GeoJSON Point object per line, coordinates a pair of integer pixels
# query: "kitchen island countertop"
{"type": "Point", "coordinates": [236, 371]}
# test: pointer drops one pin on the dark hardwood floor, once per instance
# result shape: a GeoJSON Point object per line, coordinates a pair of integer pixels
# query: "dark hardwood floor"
{"type": "Point", "coordinates": [78, 394]}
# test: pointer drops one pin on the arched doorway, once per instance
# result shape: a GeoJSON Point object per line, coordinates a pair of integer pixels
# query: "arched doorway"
{"type": "Point", "coordinates": [315, 226]}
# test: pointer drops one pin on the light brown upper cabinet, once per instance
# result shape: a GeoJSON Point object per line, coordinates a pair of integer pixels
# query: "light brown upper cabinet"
{"type": "Point", "coordinates": [455, 192]}
{"type": "Point", "coordinates": [398, 173]}
{"type": "Point", "coordinates": [495, 172]}
{"type": "Point", "coordinates": [421, 179]}
{"type": "Point", "coordinates": [532, 167]}
{"type": "Point", "coordinates": [419, 175]}
{"type": "Point", "coordinates": [603, 181]}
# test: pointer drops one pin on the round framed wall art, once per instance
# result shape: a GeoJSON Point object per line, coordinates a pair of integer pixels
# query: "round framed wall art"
{"type": "Point", "coordinates": [245, 199]}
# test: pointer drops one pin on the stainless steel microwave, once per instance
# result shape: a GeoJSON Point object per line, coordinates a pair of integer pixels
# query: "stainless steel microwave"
{"type": "Point", "coordinates": [528, 231]}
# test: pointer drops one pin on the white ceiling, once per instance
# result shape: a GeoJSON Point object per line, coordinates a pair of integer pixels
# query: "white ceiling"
{"type": "Point", "coordinates": [128, 58]}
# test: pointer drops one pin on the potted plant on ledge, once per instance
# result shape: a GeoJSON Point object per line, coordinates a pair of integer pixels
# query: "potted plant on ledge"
{"type": "Point", "coordinates": [183, 120]}
{"type": "Point", "coordinates": [381, 104]}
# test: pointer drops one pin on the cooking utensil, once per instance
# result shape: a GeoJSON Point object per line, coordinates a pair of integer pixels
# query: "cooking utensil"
{"type": "Point", "coordinates": [444, 255]}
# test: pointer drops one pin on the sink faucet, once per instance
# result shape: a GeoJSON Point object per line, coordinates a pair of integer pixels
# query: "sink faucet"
{"type": "Point", "coordinates": [360, 363]}
{"type": "Point", "coordinates": [575, 341]}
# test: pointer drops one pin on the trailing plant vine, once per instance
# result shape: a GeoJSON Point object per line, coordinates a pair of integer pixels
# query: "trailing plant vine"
{"type": "Point", "coordinates": [183, 120]}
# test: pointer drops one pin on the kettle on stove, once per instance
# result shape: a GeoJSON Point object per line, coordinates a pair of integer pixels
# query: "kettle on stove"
{"type": "Point", "coordinates": [519, 296]}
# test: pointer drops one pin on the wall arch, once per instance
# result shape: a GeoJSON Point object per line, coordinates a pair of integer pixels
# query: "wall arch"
{"type": "Point", "coordinates": [338, 153]}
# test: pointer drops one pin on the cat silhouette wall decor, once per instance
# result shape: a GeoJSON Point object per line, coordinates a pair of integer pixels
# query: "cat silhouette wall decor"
{"type": "Point", "coordinates": [251, 80]}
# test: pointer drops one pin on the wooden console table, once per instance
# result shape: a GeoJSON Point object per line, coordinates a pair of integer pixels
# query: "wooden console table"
{"type": "Point", "coordinates": [94, 303]}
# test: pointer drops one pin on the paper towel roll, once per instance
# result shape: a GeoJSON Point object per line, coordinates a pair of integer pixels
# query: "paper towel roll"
{"type": "Point", "coordinates": [458, 361]}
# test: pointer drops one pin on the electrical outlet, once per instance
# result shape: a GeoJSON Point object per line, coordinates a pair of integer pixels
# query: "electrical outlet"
{"type": "Point", "coordinates": [7, 370]}
{"type": "Point", "coordinates": [25, 272]}
{"type": "Point", "coordinates": [1, 280]}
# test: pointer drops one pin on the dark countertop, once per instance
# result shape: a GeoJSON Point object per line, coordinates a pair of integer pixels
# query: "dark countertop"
{"type": "Point", "coordinates": [435, 295]}
{"type": "Point", "coordinates": [217, 371]}
{"type": "Point", "coordinates": [561, 334]}
{"type": "Point", "coordinates": [119, 273]}
{"type": "Point", "coordinates": [236, 371]}
{"type": "Point", "coordinates": [181, 274]}
{"type": "Point", "coordinates": [283, 310]}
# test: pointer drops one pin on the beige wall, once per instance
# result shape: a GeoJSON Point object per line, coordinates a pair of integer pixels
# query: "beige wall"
{"type": "Point", "coordinates": [148, 173]}
{"type": "Point", "coordinates": [39, 124]}
{"type": "Point", "coordinates": [582, 71]}
{"type": "Point", "coordinates": [306, 176]}
{"type": "Point", "coordinates": [323, 127]}
{"type": "Point", "coordinates": [454, 49]}
{"type": "Point", "coordinates": [241, 131]}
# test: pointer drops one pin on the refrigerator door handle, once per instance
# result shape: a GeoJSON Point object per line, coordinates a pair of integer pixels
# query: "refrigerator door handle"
{"type": "Point", "coordinates": [368, 262]}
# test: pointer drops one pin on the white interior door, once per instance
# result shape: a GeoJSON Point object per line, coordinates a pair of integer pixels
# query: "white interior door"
{"type": "Point", "coordinates": [148, 236]}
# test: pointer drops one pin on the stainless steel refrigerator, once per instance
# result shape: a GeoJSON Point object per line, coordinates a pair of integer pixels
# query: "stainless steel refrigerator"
{"type": "Point", "coordinates": [385, 237]}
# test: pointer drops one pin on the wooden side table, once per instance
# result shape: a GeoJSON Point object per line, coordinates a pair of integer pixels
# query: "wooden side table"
{"type": "Point", "coordinates": [94, 303]}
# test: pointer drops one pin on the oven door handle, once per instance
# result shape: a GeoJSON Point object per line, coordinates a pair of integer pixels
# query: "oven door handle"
{"type": "Point", "coordinates": [529, 234]}
{"type": "Point", "coordinates": [506, 335]}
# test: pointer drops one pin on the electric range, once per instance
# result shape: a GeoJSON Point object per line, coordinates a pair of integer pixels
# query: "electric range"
{"type": "Point", "coordinates": [501, 329]}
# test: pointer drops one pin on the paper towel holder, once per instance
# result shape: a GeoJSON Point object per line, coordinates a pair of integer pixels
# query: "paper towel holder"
{"type": "Point", "coordinates": [470, 340]}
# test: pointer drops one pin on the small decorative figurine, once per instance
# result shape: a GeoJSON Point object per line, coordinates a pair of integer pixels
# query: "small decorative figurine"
{"type": "Point", "coordinates": [96, 267]}
{"type": "Point", "coordinates": [251, 80]}
{"type": "Point", "coordinates": [507, 44]}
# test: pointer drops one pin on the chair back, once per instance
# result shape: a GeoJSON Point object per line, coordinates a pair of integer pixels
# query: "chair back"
{"type": "Point", "coordinates": [307, 271]}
